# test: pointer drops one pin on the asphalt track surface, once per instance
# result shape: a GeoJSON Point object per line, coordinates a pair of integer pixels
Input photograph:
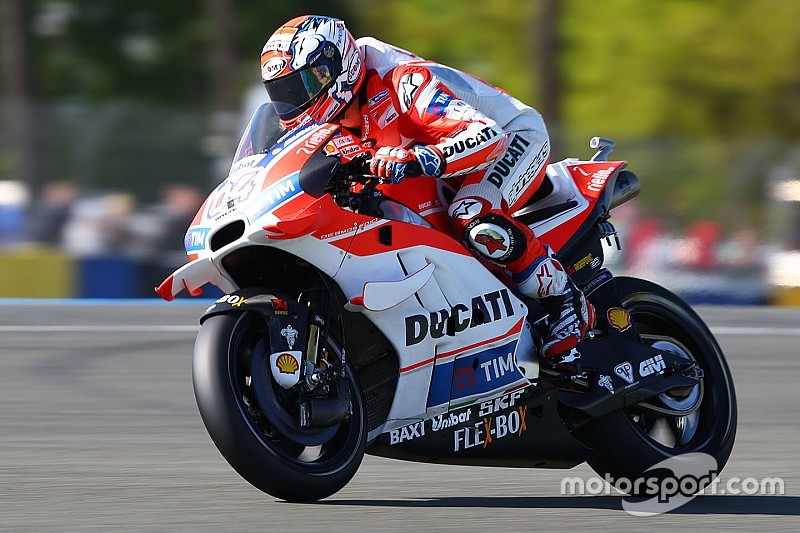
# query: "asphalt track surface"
{"type": "Point", "coordinates": [99, 432]}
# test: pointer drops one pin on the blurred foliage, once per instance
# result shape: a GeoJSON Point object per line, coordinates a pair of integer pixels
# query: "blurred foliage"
{"type": "Point", "coordinates": [123, 87]}
{"type": "Point", "coordinates": [681, 67]}
{"type": "Point", "coordinates": [700, 95]}
{"type": "Point", "coordinates": [147, 49]}
{"type": "Point", "coordinates": [492, 40]}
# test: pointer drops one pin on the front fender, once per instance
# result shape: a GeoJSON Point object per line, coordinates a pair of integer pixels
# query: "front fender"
{"type": "Point", "coordinates": [265, 302]}
{"type": "Point", "coordinates": [288, 322]}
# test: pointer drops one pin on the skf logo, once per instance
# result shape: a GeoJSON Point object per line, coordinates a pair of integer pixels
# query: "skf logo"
{"type": "Point", "coordinates": [652, 365]}
{"type": "Point", "coordinates": [287, 364]}
{"type": "Point", "coordinates": [619, 318]}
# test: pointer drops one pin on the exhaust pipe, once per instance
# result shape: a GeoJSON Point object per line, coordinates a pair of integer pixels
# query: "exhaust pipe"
{"type": "Point", "coordinates": [626, 187]}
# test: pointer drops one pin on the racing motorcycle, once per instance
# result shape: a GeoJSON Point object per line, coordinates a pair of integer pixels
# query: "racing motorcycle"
{"type": "Point", "coordinates": [354, 321]}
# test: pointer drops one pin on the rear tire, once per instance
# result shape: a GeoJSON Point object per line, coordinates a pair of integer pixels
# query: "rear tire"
{"type": "Point", "coordinates": [627, 443]}
{"type": "Point", "coordinates": [260, 438]}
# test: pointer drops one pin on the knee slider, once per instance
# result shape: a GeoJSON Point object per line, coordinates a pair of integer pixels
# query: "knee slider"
{"type": "Point", "coordinates": [495, 238]}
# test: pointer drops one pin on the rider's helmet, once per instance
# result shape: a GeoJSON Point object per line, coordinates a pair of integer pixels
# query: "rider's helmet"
{"type": "Point", "coordinates": [311, 66]}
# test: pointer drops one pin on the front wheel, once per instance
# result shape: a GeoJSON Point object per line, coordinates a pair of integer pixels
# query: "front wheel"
{"type": "Point", "coordinates": [254, 422]}
{"type": "Point", "coordinates": [630, 442]}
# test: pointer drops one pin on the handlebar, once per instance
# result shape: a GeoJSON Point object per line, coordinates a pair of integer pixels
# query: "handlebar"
{"type": "Point", "coordinates": [603, 146]}
{"type": "Point", "coordinates": [361, 166]}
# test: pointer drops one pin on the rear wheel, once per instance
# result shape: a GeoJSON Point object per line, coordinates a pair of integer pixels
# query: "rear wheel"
{"type": "Point", "coordinates": [698, 420]}
{"type": "Point", "coordinates": [255, 423]}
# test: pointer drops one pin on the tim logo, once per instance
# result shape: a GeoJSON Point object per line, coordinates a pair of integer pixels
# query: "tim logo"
{"type": "Point", "coordinates": [195, 239]}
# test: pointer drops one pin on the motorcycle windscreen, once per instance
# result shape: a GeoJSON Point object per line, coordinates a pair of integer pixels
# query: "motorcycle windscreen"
{"type": "Point", "coordinates": [262, 132]}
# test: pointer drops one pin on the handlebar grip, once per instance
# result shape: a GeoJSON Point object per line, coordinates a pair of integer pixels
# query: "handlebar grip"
{"type": "Point", "coordinates": [413, 169]}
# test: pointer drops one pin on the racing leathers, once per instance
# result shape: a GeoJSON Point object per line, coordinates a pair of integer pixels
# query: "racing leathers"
{"type": "Point", "coordinates": [457, 126]}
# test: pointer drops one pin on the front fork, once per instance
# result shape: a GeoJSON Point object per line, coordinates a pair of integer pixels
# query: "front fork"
{"type": "Point", "coordinates": [334, 404]}
{"type": "Point", "coordinates": [299, 356]}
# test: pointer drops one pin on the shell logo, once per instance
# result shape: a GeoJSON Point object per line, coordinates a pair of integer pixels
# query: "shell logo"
{"type": "Point", "coordinates": [287, 364]}
{"type": "Point", "coordinates": [619, 318]}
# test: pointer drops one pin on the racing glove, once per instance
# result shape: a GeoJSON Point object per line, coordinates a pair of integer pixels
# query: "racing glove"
{"type": "Point", "coordinates": [396, 163]}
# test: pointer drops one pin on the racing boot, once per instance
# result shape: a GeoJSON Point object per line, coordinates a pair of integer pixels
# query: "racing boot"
{"type": "Point", "coordinates": [571, 316]}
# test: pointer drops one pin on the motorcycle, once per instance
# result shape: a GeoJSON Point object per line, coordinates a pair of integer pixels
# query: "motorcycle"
{"type": "Point", "coordinates": [354, 321]}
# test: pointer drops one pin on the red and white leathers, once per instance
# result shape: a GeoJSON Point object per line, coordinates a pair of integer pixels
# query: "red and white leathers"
{"type": "Point", "coordinates": [458, 126]}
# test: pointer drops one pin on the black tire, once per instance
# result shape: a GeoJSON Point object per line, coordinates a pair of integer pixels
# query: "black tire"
{"type": "Point", "coordinates": [261, 439]}
{"type": "Point", "coordinates": [623, 442]}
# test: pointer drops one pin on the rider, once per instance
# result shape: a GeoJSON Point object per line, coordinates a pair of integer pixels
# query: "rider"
{"type": "Point", "coordinates": [450, 123]}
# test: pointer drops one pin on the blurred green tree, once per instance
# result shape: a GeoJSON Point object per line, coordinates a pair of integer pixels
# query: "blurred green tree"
{"type": "Point", "coordinates": [700, 95]}
{"type": "Point", "coordinates": [147, 49]}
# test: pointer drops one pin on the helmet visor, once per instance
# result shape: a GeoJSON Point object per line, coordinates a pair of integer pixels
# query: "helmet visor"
{"type": "Point", "coordinates": [297, 91]}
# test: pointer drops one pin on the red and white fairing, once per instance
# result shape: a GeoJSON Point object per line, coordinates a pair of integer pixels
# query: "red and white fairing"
{"type": "Point", "coordinates": [408, 287]}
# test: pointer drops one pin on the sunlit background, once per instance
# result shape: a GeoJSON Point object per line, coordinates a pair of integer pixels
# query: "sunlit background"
{"type": "Point", "coordinates": [118, 116]}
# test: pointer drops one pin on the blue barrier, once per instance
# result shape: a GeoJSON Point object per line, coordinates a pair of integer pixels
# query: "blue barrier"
{"type": "Point", "coordinates": [107, 277]}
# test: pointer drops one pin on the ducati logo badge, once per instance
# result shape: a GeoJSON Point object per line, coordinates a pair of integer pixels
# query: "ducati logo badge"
{"type": "Point", "coordinates": [625, 371]}
{"type": "Point", "coordinates": [290, 334]}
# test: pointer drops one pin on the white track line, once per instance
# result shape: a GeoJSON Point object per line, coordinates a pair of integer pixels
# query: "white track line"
{"type": "Point", "coordinates": [724, 330]}
{"type": "Point", "coordinates": [96, 329]}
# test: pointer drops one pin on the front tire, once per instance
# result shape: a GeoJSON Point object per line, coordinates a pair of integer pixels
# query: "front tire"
{"type": "Point", "coordinates": [627, 443]}
{"type": "Point", "coordinates": [253, 422]}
